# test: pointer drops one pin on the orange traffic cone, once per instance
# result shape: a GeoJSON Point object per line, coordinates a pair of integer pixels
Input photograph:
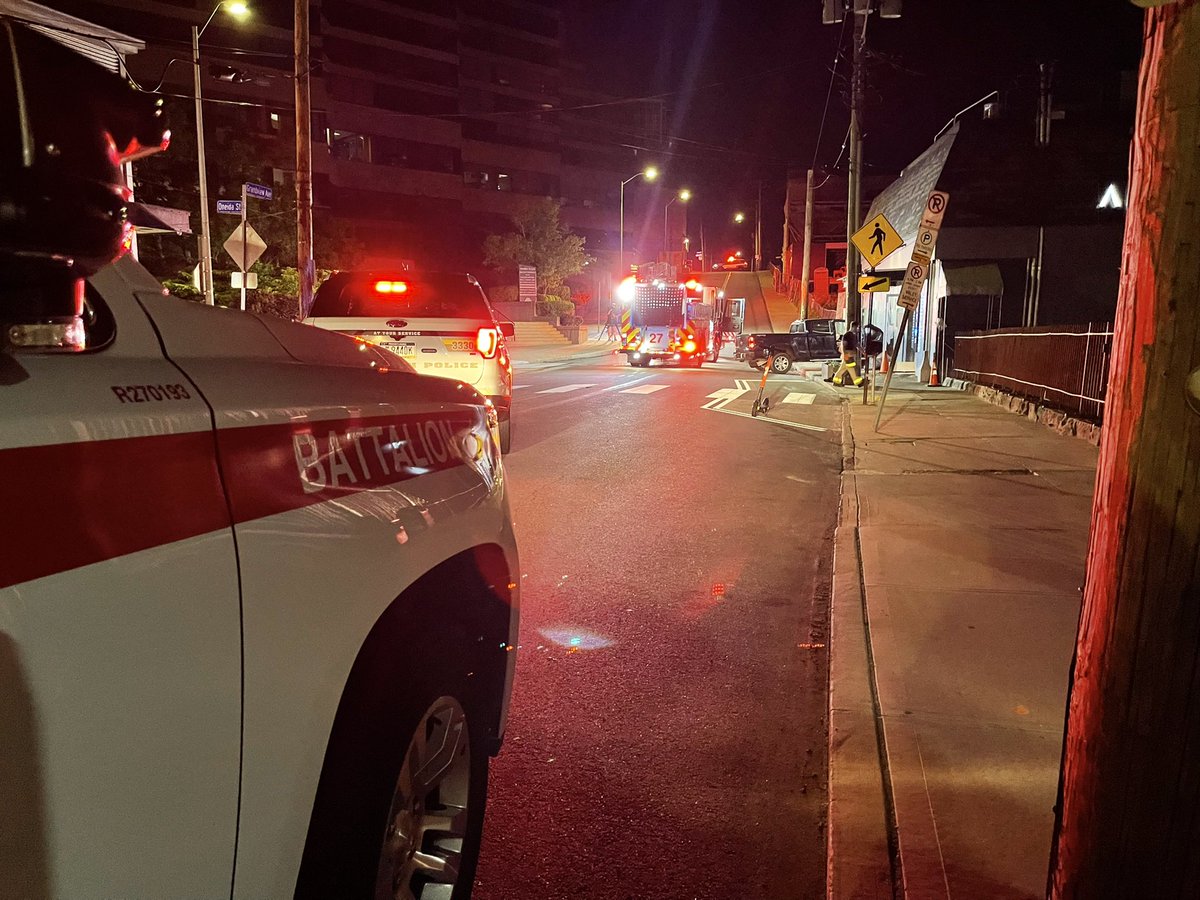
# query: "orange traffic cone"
{"type": "Point", "coordinates": [933, 379]}
{"type": "Point", "coordinates": [883, 369]}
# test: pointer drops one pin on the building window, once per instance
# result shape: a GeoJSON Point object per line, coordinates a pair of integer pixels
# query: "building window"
{"type": "Point", "coordinates": [349, 145]}
{"type": "Point", "coordinates": [274, 121]}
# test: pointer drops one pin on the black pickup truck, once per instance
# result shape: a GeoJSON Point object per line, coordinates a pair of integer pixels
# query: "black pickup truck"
{"type": "Point", "coordinates": [806, 340]}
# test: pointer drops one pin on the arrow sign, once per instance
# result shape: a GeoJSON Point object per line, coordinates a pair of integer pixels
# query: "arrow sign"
{"type": "Point", "coordinates": [871, 284]}
{"type": "Point", "coordinates": [261, 191]}
{"type": "Point", "coordinates": [255, 246]}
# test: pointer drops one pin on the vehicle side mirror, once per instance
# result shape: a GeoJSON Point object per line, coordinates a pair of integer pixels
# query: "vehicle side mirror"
{"type": "Point", "coordinates": [508, 329]}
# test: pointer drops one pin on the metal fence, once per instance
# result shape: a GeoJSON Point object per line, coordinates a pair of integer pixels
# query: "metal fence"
{"type": "Point", "coordinates": [1065, 366]}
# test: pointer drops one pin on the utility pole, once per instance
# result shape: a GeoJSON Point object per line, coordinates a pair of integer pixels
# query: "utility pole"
{"type": "Point", "coordinates": [854, 204]}
{"type": "Point", "coordinates": [305, 265]}
{"type": "Point", "coordinates": [1128, 813]}
{"type": "Point", "coordinates": [758, 231]}
{"type": "Point", "coordinates": [834, 11]}
{"type": "Point", "coordinates": [806, 262]}
{"type": "Point", "coordinates": [205, 245]}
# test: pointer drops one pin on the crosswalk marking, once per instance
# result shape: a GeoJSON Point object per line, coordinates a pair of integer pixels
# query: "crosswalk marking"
{"type": "Point", "coordinates": [566, 388]}
{"type": "Point", "coordinates": [723, 393]}
{"type": "Point", "coordinates": [797, 397]}
{"type": "Point", "coordinates": [644, 389]}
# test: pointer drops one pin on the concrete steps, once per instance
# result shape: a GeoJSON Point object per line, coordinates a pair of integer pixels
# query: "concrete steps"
{"type": "Point", "coordinates": [538, 334]}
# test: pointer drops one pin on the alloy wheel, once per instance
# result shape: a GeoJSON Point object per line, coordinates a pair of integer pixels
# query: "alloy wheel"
{"type": "Point", "coordinates": [427, 823]}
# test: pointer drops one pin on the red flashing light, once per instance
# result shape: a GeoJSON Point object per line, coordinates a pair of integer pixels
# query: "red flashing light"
{"type": "Point", "coordinates": [750, 342]}
{"type": "Point", "coordinates": [487, 342]}
{"type": "Point", "coordinates": [731, 259]}
{"type": "Point", "coordinates": [689, 346]}
{"type": "Point", "coordinates": [391, 287]}
{"type": "Point", "coordinates": [692, 284]}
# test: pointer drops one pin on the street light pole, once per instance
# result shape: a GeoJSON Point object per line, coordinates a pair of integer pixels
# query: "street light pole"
{"type": "Point", "coordinates": [305, 264]}
{"type": "Point", "coordinates": [650, 174]}
{"type": "Point", "coordinates": [205, 243]}
{"type": "Point", "coordinates": [239, 9]}
{"type": "Point", "coordinates": [685, 195]}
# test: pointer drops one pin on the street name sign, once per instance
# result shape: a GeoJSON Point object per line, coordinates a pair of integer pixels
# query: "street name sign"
{"type": "Point", "coordinates": [874, 284]}
{"type": "Point", "coordinates": [877, 240]}
{"type": "Point", "coordinates": [259, 191]}
{"type": "Point", "coordinates": [254, 248]}
{"type": "Point", "coordinates": [230, 207]}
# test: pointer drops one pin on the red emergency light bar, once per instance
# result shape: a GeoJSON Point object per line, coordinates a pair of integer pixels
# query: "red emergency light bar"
{"type": "Point", "coordinates": [391, 287]}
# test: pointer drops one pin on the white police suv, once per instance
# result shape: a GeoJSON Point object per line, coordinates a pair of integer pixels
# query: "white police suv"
{"type": "Point", "coordinates": [258, 582]}
{"type": "Point", "coordinates": [439, 322]}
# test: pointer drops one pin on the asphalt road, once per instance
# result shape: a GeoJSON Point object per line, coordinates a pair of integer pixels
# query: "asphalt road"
{"type": "Point", "coordinates": [667, 737]}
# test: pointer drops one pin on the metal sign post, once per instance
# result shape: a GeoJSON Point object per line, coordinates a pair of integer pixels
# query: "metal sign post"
{"type": "Point", "coordinates": [244, 266]}
{"type": "Point", "coordinates": [914, 278]}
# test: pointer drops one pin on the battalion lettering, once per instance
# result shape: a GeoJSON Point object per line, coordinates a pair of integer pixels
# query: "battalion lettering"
{"type": "Point", "coordinates": [376, 455]}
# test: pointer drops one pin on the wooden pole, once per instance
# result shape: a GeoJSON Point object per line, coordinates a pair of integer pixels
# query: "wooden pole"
{"type": "Point", "coordinates": [806, 262]}
{"type": "Point", "coordinates": [305, 264]}
{"type": "Point", "coordinates": [1128, 822]}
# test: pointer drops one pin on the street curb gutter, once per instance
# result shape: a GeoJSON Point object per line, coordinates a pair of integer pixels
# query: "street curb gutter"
{"type": "Point", "coordinates": [859, 863]}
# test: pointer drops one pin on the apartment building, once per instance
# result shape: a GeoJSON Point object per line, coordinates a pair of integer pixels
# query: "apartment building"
{"type": "Point", "coordinates": [433, 120]}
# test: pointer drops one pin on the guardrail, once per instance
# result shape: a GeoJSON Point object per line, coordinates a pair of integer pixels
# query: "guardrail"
{"type": "Point", "coordinates": [1065, 366]}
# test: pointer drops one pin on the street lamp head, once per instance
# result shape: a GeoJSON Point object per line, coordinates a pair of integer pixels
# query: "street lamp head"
{"type": "Point", "coordinates": [739, 218]}
{"type": "Point", "coordinates": [685, 195]}
{"type": "Point", "coordinates": [237, 8]}
{"type": "Point", "coordinates": [650, 173]}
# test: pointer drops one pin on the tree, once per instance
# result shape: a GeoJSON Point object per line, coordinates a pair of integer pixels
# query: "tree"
{"type": "Point", "coordinates": [1129, 794]}
{"type": "Point", "coordinates": [236, 155]}
{"type": "Point", "coordinates": [540, 240]}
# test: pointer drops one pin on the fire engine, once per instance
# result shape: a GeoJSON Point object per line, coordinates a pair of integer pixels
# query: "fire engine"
{"type": "Point", "coordinates": [677, 322]}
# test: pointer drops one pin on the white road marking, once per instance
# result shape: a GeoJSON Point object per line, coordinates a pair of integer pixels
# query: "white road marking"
{"type": "Point", "coordinates": [801, 398]}
{"type": "Point", "coordinates": [801, 425]}
{"type": "Point", "coordinates": [517, 387]}
{"type": "Point", "coordinates": [645, 389]}
{"type": "Point", "coordinates": [722, 393]}
{"type": "Point", "coordinates": [566, 388]}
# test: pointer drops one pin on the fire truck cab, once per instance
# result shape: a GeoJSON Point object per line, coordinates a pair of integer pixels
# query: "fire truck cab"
{"type": "Point", "coordinates": [672, 321]}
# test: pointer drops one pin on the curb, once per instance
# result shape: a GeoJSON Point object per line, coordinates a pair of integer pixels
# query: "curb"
{"type": "Point", "coordinates": [859, 856]}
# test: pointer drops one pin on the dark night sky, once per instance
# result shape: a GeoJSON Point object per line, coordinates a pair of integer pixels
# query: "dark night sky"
{"type": "Point", "coordinates": [753, 75]}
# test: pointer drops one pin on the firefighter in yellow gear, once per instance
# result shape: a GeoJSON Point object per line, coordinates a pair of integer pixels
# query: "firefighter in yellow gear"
{"type": "Point", "coordinates": [849, 364]}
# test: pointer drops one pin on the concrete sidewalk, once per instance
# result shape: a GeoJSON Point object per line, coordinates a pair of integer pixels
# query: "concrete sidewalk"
{"type": "Point", "coordinates": [535, 356]}
{"type": "Point", "coordinates": [961, 546]}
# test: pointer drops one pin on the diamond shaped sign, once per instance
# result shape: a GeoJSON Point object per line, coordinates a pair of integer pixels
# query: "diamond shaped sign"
{"type": "Point", "coordinates": [255, 246]}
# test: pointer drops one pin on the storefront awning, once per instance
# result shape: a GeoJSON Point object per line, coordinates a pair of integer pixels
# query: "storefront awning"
{"type": "Point", "coordinates": [149, 219]}
{"type": "Point", "coordinates": [102, 46]}
{"type": "Point", "coordinates": [968, 281]}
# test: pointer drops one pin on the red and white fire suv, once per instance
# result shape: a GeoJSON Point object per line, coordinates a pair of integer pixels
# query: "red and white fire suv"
{"type": "Point", "coordinates": [258, 582]}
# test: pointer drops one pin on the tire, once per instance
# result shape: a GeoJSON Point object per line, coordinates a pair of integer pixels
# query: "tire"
{"type": "Point", "coordinates": [390, 702]}
{"type": "Point", "coordinates": [358, 835]}
{"type": "Point", "coordinates": [506, 433]}
{"type": "Point", "coordinates": [639, 363]}
{"type": "Point", "coordinates": [781, 364]}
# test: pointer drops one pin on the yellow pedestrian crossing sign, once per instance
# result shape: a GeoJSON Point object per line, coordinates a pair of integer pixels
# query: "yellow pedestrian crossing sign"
{"type": "Point", "coordinates": [872, 284]}
{"type": "Point", "coordinates": [877, 240]}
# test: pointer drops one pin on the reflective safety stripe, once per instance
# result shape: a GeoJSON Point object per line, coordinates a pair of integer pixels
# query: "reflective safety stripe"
{"type": "Point", "coordinates": [82, 503]}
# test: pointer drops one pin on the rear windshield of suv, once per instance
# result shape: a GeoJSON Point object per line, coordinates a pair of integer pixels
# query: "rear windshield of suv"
{"type": "Point", "coordinates": [418, 296]}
